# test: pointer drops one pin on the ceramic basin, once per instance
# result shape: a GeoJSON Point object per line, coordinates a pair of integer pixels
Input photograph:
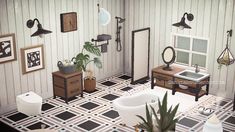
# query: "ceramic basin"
{"type": "Point", "coordinates": [191, 75]}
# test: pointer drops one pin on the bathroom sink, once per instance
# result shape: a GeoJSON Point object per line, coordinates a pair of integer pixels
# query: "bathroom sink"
{"type": "Point", "coordinates": [191, 75]}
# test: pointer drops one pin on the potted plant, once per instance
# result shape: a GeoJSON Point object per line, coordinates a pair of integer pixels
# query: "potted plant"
{"type": "Point", "coordinates": [83, 59]}
{"type": "Point", "coordinates": [165, 123]}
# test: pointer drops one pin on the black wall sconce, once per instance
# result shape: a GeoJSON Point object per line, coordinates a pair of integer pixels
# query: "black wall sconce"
{"type": "Point", "coordinates": [100, 38]}
{"type": "Point", "coordinates": [40, 30]}
{"type": "Point", "coordinates": [226, 57]}
{"type": "Point", "coordinates": [182, 23]}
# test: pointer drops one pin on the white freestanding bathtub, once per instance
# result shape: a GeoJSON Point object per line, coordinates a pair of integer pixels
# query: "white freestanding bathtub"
{"type": "Point", "coordinates": [130, 106]}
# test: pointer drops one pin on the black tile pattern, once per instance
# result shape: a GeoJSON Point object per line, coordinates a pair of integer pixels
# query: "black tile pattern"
{"type": "Point", "coordinates": [126, 88]}
{"type": "Point", "coordinates": [222, 103]}
{"type": "Point", "coordinates": [85, 116]}
{"type": "Point", "coordinates": [89, 125]}
{"type": "Point", "coordinates": [231, 120]}
{"type": "Point", "coordinates": [69, 99]}
{"type": "Point", "coordinates": [89, 105]}
{"type": "Point", "coordinates": [108, 83]}
{"type": "Point", "coordinates": [125, 77]}
{"type": "Point", "coordinates": [110, 97]}
{"type": "Point", "coordinates": [17, 117]}
{"type": "Point", "coordinates": [7, 128]}
{"type": "Point", "coordinates": [188, 122]}
{"type": "Point", "coordinates": [90, 91]}
{"type": "Point", "coordinates": [143, 82]}
{"type": "Point", "coordinates": [111, 114]}
{"type": "Point", "coordinates": [47, 106]}
{"type": "Point", "coordinates": [65, 115]}
{"type": "Point", "coordinates": [37, 125]}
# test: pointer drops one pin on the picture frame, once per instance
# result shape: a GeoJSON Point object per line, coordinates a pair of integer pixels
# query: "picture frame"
{"type": "Point", "coordinates": [7, 48]}
{"type": "Point", "coordinates": [32, 58]}
{"type": "Point", "coordinates": [68, 21]}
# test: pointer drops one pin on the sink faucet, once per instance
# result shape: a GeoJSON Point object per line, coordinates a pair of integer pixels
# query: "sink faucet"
{"type": "Point", "coordinates": [196, 68]}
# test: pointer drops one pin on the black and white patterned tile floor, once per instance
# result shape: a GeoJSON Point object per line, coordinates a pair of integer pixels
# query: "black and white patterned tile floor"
{"type": "Point", "coordinates": [95, 112]}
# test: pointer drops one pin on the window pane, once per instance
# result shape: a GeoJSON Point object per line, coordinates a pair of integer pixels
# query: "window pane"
{"type": "Point", "coordinates": [182, 57]}
{"type": "Point", "coordinates": [199, 59]}
{"type": "Point", "coordinates": [183, 43]}
{"type": "Point", "coordinates": [200, 45]}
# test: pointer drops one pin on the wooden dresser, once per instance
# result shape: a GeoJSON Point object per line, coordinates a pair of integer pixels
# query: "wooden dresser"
{"type": "Point", "coordinates": [166, 79]}
{"type": "Point", "coordinates": [67, 85]}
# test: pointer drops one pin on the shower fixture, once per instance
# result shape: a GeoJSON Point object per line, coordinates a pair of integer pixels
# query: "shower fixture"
{"type": "Point", "coordinates": [118, 38]}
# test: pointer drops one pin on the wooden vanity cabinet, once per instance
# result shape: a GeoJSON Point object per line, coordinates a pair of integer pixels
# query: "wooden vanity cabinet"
{"type": "Point", "coordinates": [164, 78]}
{"type": "Point", "coordinates": [67, 85]}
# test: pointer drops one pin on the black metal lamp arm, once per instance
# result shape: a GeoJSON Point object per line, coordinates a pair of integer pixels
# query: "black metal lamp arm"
{"type": "Point", "coordinates": [30, 23]}
{"type": "Point", "coordinates": [229, 34]}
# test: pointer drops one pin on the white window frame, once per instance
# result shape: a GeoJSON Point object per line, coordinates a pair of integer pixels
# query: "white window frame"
{"type": "Point", "coordinates": [190, 51]}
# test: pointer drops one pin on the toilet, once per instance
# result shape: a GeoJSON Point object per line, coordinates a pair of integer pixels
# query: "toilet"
{"type": "Point", "coordinates": [29, 103]}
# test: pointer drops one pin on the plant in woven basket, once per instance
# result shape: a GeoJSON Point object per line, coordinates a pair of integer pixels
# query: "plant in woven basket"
{"type": "Point", "coordinates": [83, 59]}
{"type": "Point", "coordinates": [166, 122]}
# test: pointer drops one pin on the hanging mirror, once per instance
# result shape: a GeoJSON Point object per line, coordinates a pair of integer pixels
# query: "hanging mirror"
{"type": "Point", "coordinates": [168, 57]}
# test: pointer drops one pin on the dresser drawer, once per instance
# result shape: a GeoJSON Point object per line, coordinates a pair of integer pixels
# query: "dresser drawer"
{"type": "Point", "coordinates": [162, 76]}
{"type": "Point", "coordinates": [59, 91]}
{"type": "Point", "coordinates": [58, 81]}
{"type": "Point", "coordinates": [160, 82]}
{"type": "Point", "coordinates": [74, 82]}
{"type": "Point", "coordinates": [73, 91]}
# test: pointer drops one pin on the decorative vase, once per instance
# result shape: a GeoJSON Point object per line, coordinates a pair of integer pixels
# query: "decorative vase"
{"type": "Point", "coordinates": [90, 84]}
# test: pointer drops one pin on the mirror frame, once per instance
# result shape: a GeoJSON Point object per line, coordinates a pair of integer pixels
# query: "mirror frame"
{"type": "Point", "coordinates": [135, 60]}
{"type": "Point", "coordinates": [167, 67]}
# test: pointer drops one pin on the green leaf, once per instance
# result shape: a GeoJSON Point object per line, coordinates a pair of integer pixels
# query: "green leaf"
{"type": "Point", "coordinates": [92, 48]}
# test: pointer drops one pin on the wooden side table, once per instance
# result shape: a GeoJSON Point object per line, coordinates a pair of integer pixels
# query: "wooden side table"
{"type": "Point", "coordinates": [67, 85]}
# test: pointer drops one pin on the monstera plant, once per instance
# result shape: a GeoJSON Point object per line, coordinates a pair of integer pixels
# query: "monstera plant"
{"type": "Point", "coordinates": [165, 123]}
{"type": "Point", "coordinates": [83, 59]}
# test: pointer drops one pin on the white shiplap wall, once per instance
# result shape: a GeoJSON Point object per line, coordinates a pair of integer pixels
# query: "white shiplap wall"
{"type": "Point", "coordinates": [58, 46]}
{"type": "Point", "coordinates": [212, 18]}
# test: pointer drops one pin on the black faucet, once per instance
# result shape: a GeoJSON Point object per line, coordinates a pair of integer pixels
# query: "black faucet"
{"type": "Point", "coordinates": [196, 68]}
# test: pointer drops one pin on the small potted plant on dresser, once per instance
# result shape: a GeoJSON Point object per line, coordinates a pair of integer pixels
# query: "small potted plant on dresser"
{"type": "Point", "coordinates": [83, 59]}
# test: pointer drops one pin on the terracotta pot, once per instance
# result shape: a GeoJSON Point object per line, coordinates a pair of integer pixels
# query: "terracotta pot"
{"type": "Point", "coordinates": [90, 84]}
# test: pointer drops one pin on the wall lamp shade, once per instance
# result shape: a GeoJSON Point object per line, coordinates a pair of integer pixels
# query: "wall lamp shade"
{"type": "Point", "coordinates": [182, 24]}
{"type": "Point", "coordinates": [40, 31]}
{"type": "Point", "coordinates": [226, 57]}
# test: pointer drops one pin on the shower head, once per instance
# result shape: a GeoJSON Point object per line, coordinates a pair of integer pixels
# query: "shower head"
{"type": "Point", "coordinates": [120, 20]}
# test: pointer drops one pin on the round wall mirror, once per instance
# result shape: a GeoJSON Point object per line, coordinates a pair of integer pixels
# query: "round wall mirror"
{"type": "Point", "coordinates": [168, 57]}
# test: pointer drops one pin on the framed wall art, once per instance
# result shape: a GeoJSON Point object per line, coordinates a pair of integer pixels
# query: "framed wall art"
{"type": "Point", "coordinates": [7, 48]}
{"type": "Point", "coordinates": [32, 58]}
{"type": "Point", "coordinates": [68, 21]}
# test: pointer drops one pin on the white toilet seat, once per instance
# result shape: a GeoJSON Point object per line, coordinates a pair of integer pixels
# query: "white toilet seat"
{"type": "Point", "coordinates": [30, 97]}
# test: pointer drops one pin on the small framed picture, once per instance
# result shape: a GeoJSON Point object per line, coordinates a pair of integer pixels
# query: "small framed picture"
{"type": "Point", "coordinates": [32, 58]}
{"type": "Point", "coordinates": [7, 48]}
{"type": "Point", "coordinates": [68, 21]}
